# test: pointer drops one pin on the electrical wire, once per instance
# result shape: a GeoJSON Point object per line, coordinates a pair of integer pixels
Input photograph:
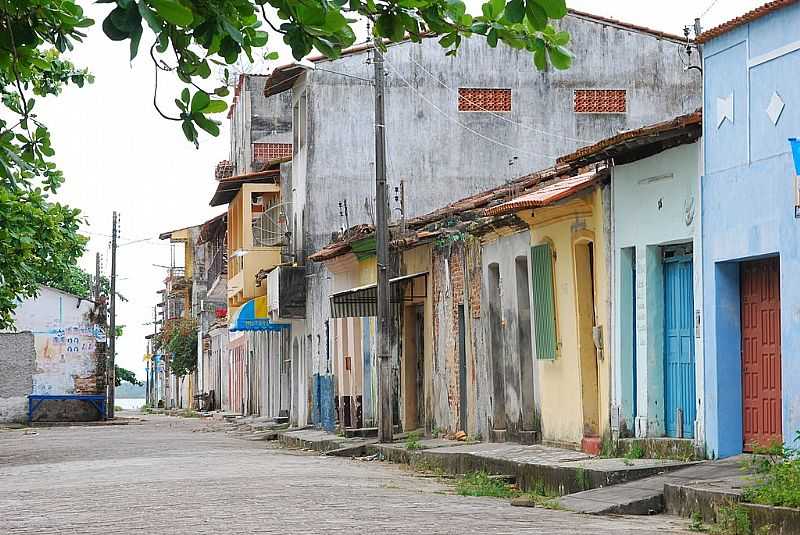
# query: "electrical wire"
{"type": "Point", "coordinates": [506, 119]}
{"type": "Point", "coordinates": [456, 121]}
{"type": "Point", "coordinates": [709, 8]}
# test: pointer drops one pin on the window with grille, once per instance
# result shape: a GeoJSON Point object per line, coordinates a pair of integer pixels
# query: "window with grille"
{"type": "Point", "coordinates": [600, 101]}
{"type": "Point", "coordinates": [480, 99]}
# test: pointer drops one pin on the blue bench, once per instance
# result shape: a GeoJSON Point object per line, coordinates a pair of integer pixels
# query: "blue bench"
{"type": "Point", "coordinates": [98, 401]}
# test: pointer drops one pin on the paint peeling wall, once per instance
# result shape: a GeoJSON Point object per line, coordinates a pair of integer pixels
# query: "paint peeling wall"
{"type": "Point", "coordinates": [512, 368]}
{"type": "Point", "coordinates": [574, 388]}
{"type": "Point", "coordinates": [65, 354]}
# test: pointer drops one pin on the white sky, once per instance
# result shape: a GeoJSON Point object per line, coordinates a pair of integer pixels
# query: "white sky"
{"type": "Point", "coordinates": [118, 154]}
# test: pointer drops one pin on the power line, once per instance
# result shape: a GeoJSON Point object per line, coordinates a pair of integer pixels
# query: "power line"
{"type": "Point", "coordinates": [506, 119]}
{"type": "Point", "coordinates": [709, 8]}
{"type": "Point", "coordinates": [459, 123]}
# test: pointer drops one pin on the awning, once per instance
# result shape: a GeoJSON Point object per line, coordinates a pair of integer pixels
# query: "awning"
{"type": "Point", "coordinates": [361, 302]}
{"type": "Point", "coordinates": [252, 316]}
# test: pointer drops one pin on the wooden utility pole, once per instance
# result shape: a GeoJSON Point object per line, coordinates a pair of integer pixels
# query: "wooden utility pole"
{"type": "Point", "coordinates": [97, 278]}
{"type": "Point", "coordinates": [385, 422]}
{"type": "Point", "coordinates": [112, 327]}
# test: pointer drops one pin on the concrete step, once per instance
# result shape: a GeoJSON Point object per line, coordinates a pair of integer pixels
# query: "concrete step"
{"type": "Point", "coordinates": [642, 497]}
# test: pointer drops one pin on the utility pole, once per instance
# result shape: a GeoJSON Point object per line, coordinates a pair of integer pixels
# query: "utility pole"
{"type": "Point", "coordinates": [97, 277]}
{"type": "Point", "coordinates": [112, 328]}
{"type": "Point", "coordinates": [385, 420]}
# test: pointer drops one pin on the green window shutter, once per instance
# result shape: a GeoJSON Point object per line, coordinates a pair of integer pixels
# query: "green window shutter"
{"type": "Point", "coordinates": [544, 310]}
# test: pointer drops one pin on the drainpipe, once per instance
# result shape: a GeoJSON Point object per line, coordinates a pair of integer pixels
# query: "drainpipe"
{"type": "Point", "coordinates": [611, 241]}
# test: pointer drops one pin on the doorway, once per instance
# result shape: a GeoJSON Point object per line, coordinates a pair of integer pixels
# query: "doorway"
{"type": "Point", "coordinates": [496, 349]}
{"type": "Point", "coordinates": [679, 360]}
{"type": "Point", "coordinates": [413, 366]}
{"type": "Point", "coordinates": [525, 344]}
{"type": "Point", "coordinates": [584, 287]}
{"type": "Point", "coordinates": [761, 352]}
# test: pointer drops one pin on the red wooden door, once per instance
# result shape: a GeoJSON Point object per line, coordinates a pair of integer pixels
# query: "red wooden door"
{"type": "Point", "coordinates": [761, 351]}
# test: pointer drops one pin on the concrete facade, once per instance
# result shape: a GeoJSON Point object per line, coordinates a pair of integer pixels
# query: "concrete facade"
{"type": "Point", "coordinates": [656, 204]}
{"type": "Point", "coordinates": [17, 364]}
{"type": "Point", "coordinates": [333, 132]}
{"type": "Point", "coordinates": [748, 192]}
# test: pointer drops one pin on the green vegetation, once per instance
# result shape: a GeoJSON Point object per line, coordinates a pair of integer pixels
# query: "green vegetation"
{"type": "Point", "coordinates": [732, 520]}
{"type": "Point", "coordinates": [179, 339]}
{"type": "Point", "coordinates": [696, 522]}
{"type": "Point", "coordinates": [635, 451]}
{"type": "Point", "coordinates": [412, 442]}
{"type": "Point", "coordinates": [582, 479]}
{"type": "Point", "coordinates": [482, 484]}
{"type": "Point", "coordinates": [777, 475]}
{"type": "Point", "coordinates": [189, 413]}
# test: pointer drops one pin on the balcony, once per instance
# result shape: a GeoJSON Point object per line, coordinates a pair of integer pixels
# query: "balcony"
{"type": "Point", "coordinates": [286, 291]}
{"type": "Point", "coordinates": [217, 274]}
{"type": "Point", "coordinates": [242, 271]}
{"type": "Point", "coordinates": [269, 227]}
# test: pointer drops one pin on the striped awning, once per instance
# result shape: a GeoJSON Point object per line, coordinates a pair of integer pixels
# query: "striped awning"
{"type": "Point", "coordinates": [362, 301]}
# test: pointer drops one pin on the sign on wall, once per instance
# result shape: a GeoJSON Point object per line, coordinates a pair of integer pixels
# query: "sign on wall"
{"type": "Point", "coordinates": [795, 144]}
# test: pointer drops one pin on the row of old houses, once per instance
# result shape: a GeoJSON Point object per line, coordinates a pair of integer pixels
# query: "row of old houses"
{"type": "Point", "coordinates": [638, 283]}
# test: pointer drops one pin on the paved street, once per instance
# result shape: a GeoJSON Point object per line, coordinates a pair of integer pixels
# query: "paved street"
{"type": "Point", "coordinates": [177, 476]}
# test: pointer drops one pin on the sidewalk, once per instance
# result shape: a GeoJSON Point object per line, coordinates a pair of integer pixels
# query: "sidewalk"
{"type": "Point", "coordinates": [558, 470]}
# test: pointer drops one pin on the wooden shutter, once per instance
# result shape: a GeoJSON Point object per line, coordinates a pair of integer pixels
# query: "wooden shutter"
{"type": "Point", "coordinates": [544, 310]}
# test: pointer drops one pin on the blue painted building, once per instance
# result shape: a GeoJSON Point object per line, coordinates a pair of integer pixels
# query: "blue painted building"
{"type": "Point", "coordinates": [751, 234]}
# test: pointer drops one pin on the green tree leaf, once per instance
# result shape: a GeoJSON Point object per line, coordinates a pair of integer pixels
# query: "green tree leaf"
{"type": "Point", "coordinates": [173, 12]}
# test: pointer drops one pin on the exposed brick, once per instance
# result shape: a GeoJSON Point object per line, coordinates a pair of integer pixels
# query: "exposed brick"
{"type": "Point", "coordinates": [600, 101]}
{"type": "Point", "coordinates": [479, 99]}
{"type": "Point", "coordinates": [223, 170]}
{"type": "Point", "coordinates": [265, 152]}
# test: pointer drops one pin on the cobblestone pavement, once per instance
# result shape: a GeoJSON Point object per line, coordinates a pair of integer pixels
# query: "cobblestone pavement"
{"type": "Point", "coordinates": [166, 475]}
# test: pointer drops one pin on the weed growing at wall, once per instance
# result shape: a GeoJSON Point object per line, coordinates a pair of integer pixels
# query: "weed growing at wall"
{"type": "Point", "coordinates": [482, 484]}
{"type": "Point", "coordinates": [412, 442]}
{"type": "Point", "coordinates": [732, 520]}
{"type": "Point", "coordinates": [777, 475]}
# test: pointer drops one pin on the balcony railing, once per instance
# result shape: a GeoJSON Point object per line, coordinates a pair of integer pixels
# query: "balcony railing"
{"type": "Point", "coordinates": [269, 227]}
{"type": "Point", "coordinates": [217, 266]}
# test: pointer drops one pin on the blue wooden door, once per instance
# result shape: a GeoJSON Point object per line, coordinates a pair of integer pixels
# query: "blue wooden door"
{"type": "Point", "coordinates": [679, 378]}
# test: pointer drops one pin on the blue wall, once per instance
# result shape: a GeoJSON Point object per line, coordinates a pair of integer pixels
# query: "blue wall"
{"type": "Point", "coordinates": [748, 210]}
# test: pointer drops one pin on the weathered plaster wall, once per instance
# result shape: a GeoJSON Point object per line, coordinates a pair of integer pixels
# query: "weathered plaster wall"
{"type": "Point", "coordinates": [560, 381]}
{"type": "Point", "coordinates": [507, 367]}
{"type": "Point", "coordinates": [656, 202]}
{"type": "Point", "coordinates": [65, 343]}
{"type": "Point", "coordinates": [749, 211]}
{"type": "Point", "coordinates": [336, 163]}
{"type": "Point", "coordinates": [17, 361]}
{"type": "Point", "coordinates": [454, 281]}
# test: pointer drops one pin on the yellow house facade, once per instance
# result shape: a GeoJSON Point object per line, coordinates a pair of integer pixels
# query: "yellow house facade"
{"type": "Point", "coordinates": [570, 307]}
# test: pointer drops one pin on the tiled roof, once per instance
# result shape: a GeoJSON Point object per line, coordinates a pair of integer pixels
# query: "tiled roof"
{"type": "Point", "coordinates": [748, 17]}
{"type": "Point", "coordinates": [556, 190]}
{"type": "Point", "coordinates": [681, 129]}
{"type": "Point", "coordinates": [344, 245]}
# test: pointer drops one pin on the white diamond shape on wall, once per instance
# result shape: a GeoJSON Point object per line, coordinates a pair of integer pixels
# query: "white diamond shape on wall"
{"type": "Point", "coordinates": [775, 108]}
